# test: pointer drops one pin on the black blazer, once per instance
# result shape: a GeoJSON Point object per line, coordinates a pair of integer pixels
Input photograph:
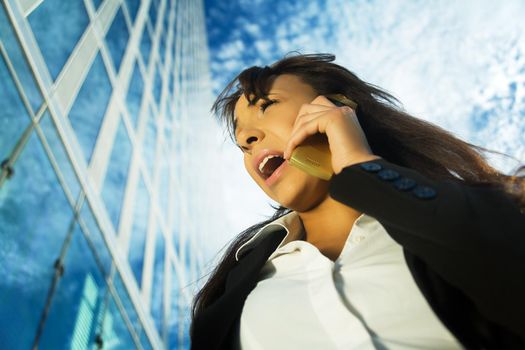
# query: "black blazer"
{"type": "Point", "coordinates": [464, 245]}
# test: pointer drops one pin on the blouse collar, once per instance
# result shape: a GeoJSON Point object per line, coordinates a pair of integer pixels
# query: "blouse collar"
{"type": "Point", "coordinates": [291, 223]}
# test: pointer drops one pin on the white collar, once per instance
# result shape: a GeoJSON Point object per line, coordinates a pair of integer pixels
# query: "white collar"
{"type": "Point", "coordinates": [292, 224]}
{"type": "Point", "coordinates": [294, 228]}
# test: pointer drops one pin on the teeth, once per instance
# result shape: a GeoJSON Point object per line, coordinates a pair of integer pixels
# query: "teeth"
{"type": "Point", "coordinates": [263, 163]}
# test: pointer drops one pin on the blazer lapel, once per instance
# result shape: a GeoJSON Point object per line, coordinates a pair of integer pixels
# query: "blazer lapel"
{"type": "Point", "coordinates": [213, 328]}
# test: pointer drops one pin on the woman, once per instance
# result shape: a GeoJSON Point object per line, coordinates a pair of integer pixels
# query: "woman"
{"type": "Point", "coordinates": [415, 242]}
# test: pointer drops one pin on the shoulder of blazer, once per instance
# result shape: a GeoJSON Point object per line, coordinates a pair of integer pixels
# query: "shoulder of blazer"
{"type": "Point", "coordinates": [213, 327]}
{"type": "Point", "coordinates": [472, 236]}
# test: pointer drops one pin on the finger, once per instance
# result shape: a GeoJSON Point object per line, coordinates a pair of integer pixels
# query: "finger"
{"type": "Point", "coordinates": [311, 108]}
{"type": "Point", "coordinates": [317, 125]}
{"type": "Point", "coordinates": [305, 118]}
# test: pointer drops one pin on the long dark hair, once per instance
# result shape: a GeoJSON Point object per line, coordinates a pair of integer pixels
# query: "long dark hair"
{"type": "Point", "coordinates": [391, 133]}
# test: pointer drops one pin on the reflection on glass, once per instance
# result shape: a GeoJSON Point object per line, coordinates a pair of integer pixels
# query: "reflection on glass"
{"type": "Point", "coordinates": [13, 116]}
{"type": "Point", "coordinates": [175, 300]}
{"type": "Point", "coordinates": [164, 191]}
{"type": "Point", "coordinates": [124, 298]}
{"type": "Point", "coordinates": [168, 126]}
{"type": "Point", "coordinates": [117, 38]}
{"type": "Point", "coordinates": [171, 82]}
{"type": "Point", "coordinates": [117, 174]}
{"type": "Point", "coordinates": [184, 325]}
{"type": "Point", "coordinates": [114, 333]}
{"type": "Point", "coordinates": [59, 152]}
{"type": "Point", "coordinates": [157, 289]}
{"type": "Point", "coordinates": [166, 17]}
{"type": "Point", "coordinates": [157, 85]}
{"type": "Point", "coordinates": [34, 217]}
{"type": "Point", "coordinates": [88, 110]}
{"type": "Point", "coordinates": [135, 93]}
{"type": "Point", "coordinates": [54, 19]}
{"type": "Point", "coordinates": [144, 341]}
{"type": "Point", "coordinates": [133, 8]}
{"type": "Point", "coordinates": [77, 305]}
{"type": "Point", "coordinates": [97, 3]}
{"type": "Point", "coordinates": [19, 62]}
{"type": "Point", "coordinates": [153, 12]}
{"type": "Point", "coordinates": [94, 235]}
{"type": "Point", "coordinates": [150, 141]}
{"type": "Point", "coordinates": [139, 229]}
{"type": "Point", "coordinates": [162, 46]}
{"type": "Point", "coordinates": [145, 46]}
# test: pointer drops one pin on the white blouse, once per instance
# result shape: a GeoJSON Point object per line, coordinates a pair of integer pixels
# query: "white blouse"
{"type": "Point", "coordinates": [366, 299]}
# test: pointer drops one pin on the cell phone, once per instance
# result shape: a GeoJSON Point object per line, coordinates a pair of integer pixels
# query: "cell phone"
{"type": "Point", "coordinates": [313, 154]}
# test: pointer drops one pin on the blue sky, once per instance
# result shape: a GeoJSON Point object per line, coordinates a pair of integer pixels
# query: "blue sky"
{"type": "Point", "coordinates": [460, 65]}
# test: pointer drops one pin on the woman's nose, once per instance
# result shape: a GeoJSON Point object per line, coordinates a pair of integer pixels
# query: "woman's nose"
{"type": "Point", "coordinates": [248, 138]}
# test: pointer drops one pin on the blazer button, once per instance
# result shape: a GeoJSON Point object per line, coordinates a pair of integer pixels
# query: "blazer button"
{"type": "Point", "coordinates": [388, 175]}
{"type": "Point", "coordinates": [404, 184]}
{"type": "Point", "coordinates": [424, 192]}
{"type": "Point", "coordinates": [371, 167]}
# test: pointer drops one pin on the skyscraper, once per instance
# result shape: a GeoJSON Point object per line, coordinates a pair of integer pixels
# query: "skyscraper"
{"type": "Point", "coordinates": [98, 236]}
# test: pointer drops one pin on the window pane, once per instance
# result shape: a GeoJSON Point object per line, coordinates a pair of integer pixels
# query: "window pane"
{"type": "Point", "coordinates": [117, 174]}
{"type": "Point", "coordinates": [145, 45]}
{"type": "Point", "coordinates": [34, 216]}
{"type": "Point", "coordinates": [164, 191]}
{"type": "Point", "coordinates": [167, 126]}
{"type": "Point", "coordinates": [150, 141]}
{"type": "Point", "coordinates": [123, 295]}
{"type": "Point", "coordinates": [157, 290]}
{"type": "Point", "coordinates": [95, 237]}
{"type": "Point", "coordinates": [173, 322]}
{"type": "Point", "coordinates": [135, 93]}
{"type": "Point", "coordinates": [117, 38]}
{"type": "Point", "coordinates": [171, 80]}
{"type": "Point", "coordinates": [157, 85]}
{"type": "Point", "coordinates": [153, 12]}
{"type": "Point", "coordinates": [162, 46]}
{"type": "Point", "coordinates": [114, 332]}
{"type": "Point", "coordinates": [89, 108]}
{"type": "Point", "coordinates": [97, 3]}
{"type": "Point", "coordinates": [139, 229]}
{"type": "Point", "coordinates": [19, 62]}
{"type": "Point", "coordinates": [133, 8]}
{"type": "Point", "coordinates": [59, 152]}
{"type": "Point", "coordinates": [54, 19]}
{"type": "Point", "coordinates": [77, 305]}
{"type": "Point", "coordinates": [184, 326]}
{"type": "Point", "coordinates": [167, 11]}
{"type": "Point", "coordinates": [13, 115]}
{"type": "Point", "coordinates": [146, 345]}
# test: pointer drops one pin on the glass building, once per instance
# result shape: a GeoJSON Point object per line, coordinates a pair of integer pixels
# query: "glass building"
{"type": "Point", "coordinates": [98, 237]}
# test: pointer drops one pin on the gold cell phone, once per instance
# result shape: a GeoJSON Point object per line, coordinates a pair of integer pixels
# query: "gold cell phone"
{"type": "Point", "coordinates": [313, 154]}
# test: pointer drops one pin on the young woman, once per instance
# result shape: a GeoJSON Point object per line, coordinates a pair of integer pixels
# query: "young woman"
{"type": "Point", "coordinates": [415, 242]}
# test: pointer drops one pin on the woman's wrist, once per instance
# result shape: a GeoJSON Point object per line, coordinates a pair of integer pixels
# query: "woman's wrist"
{"type": "Point", "coordinates": [359, 160]}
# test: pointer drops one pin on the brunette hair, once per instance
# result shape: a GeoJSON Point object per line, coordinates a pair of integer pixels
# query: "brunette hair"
{"type": "Point", "coordinates": [391, 133]}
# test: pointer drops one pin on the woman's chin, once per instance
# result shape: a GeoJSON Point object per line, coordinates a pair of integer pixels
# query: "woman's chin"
{"type": "Point", "coordinates": [299, 193]}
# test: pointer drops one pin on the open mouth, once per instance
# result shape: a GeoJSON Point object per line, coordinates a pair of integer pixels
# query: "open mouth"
{"type": "Point", "coordinates": [269, 164]}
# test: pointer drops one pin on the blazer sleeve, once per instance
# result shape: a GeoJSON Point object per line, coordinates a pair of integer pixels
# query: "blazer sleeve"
{"type": "Point", "coordinates": [472, 236]}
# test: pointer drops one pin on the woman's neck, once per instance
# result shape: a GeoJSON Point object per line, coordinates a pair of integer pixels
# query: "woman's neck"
{"type": "Point", "coordinates": [328, 225]}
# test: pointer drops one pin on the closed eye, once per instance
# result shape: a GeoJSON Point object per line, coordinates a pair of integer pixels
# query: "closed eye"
{"type": "Point", "coordinates": [266, 104]}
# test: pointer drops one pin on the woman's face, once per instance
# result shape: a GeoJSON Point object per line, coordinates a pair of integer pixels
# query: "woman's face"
{"type": "Point", "coordinates": [263, 130]}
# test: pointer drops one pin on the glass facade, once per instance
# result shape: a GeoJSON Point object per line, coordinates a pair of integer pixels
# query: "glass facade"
{"type": "Point", "coordinates": [97, 192]}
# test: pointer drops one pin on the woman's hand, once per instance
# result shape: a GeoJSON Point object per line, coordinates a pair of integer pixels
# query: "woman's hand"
{"type": "Point", "coordinates": [347, 140]}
